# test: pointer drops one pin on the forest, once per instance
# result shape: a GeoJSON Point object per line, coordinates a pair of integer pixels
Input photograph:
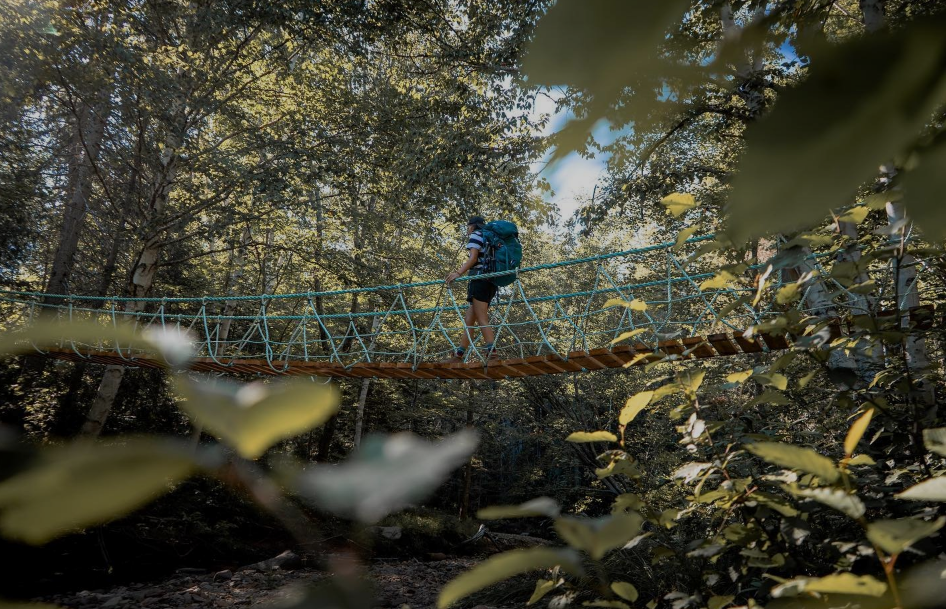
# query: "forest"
{"type": "Point", "coordinates": [235, 368]}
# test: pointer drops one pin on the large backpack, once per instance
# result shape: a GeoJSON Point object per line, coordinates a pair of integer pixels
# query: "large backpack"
{"type": "Point", "coordinates": [503, 250]}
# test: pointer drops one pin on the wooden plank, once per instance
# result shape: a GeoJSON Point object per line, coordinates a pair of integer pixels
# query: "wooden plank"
{"type": "Point", "coordinates": [562, 365]}
{"type": "Point", "coordinates": [671, 347]}
{"type": "Point", "coordinates": [722, 344]}
{"type": "Point", "coordinates": [585, 361]}
{"type": "Point", "coordinates": [608, 357]}
{"type": "Point", "coordinates": [389, 370]}
{"type": "Point", "coordinates": [499, 370]}
{"type": "Point", "coordinates": [523, 363]}
{"type": "Point", "coordinates": [698, 347]}
{"type": "Point", "coordinates": [747, 346]}
{"type": "Point", "coordinates": [416, 373]}
{"type": "Point", "coordinates": [774, 342]}
{"type": "Point", "coordinates": [541, 362]}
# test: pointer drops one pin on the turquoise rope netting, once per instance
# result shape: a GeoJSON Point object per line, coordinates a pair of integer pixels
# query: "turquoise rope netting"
{"type": "Point", "coordinates": [553, 308]}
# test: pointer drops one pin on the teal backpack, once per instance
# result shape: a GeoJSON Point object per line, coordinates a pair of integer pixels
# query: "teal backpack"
{"type": "Point", "coordinates": [503, 250]}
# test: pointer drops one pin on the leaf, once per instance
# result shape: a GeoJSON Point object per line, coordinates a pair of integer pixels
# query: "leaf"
{"type": "Point", "coordinates": [851, 505]}
{"type": "Point", "coordinates": [895, 536]}
{"type": "Point", "coordinates": [836, 583]}
{"type": "Point", "coordinates": [690, 380]}
{"type": "Point", "coordinates": [774, 379]}
{"type": "Point", "coordinates": [625, 590]}
{"type": "Point", "coordinates": [677, 204]}
{"type": "Point", "coordinates": [626, 467]}
{"type": "Point", "coordinates": [85, 484]}
{"type": "Point", "coordinates": [634, 405]}
{"type": "Point", "coordinates": [935, 440]}
{"type": "Point", "coordinates": [719, 281]}
{"type": "Point", "coordinates": [504, 566]}
{"type": "Point", "coordinates": [718, 602]}
{"type": "Point", "coordinates": [738, 377]}
{"type": "Point", "coordinates": [596, 537]}
{"type": "Point", "coordinates": [690, 471]}
{"type": "Point", "coordinates": [925, 185]}
{"type": "Point", "coordinates": [252, 417]}
{"type": "Point", "coordinates": [855, 215]}
{"type": "Point", "coordinates": [864, 101]}
{"type": "Point", "coordinates": [540, 506]}
{"type": "Point", "coordinates": [856, 432]}
{"type": "Point", "coordinates": [683, 235]}
{"type": "Point", "coordinates": [602, 46]}
{"type": "Point", "coordinates": [611, 604]}
{"type": "Point", "coordinates": [803, 381]}
{"type": "Point", "coordinates": [174, 346]}
{"type": "Point", "coordinates": [769, 396]}
{"type": "Point", "coordinates": [387, 474]}
{"type": "Point", "coordinates": [796, 457]}
{"type": "Point", "coordinates": [933, 489]}
{"type": "Point", "coordinates": [634, 305]}
{"type": "Point", "coordinates": [878, 201]}
{"type": "Point", "coordinates": [580, 437]}
{"type": "Point", "coordinates": [627, 335]}
{"type": "Point", "coordinates": [788, 293]}
{"type": "Point", "coordinates": [542, 587]}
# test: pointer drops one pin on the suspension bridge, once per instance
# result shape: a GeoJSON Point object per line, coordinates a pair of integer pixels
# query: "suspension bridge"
{"type": "Point", "coordinates": [605, 311]}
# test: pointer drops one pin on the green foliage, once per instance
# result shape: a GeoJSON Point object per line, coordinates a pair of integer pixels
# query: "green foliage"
{"type": "Point", "coordinates": [82, 485]}
{"type": "Point", "coordinates": [386, 475]}
{"type": "Point", "coordinates": [504, 566]}
{"type": "Point", "coordinates": [252, 417]}
{"type": "Point", "coordinates": [863, 103]}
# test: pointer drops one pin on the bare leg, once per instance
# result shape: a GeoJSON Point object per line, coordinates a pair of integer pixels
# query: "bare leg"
{"type": "Point", "coordinates": [481, 311]}
{"type": "Point", "coordinates": [470, 321]}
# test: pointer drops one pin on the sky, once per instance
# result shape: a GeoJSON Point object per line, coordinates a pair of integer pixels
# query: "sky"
{"type": "Point", "coordinates": [573, 177]}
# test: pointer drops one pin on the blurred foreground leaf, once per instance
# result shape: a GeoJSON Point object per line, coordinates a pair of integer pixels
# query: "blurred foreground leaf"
{"type": "Point", "coordinates": [503, 566]}
{"type": "Point", "coordinates": [863, 103]}
{"type": "Point", "coordinates": [252, 417]}
{"type": "Point", "coordinates": [603, 46]}
{"type": "Point", "coordinates": [84, 484]}
{"type": "Point", "coordinates": [174, 346]}
{"type": "Point", "coordinates": [386, 475]}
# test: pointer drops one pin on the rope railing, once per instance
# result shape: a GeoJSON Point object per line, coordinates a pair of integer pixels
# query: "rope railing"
{"type": "Point", "coordinates": [554, 308]}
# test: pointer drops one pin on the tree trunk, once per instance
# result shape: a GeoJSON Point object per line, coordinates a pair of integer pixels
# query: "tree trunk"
{"type": "Point", "coordinates": [468, 470]}
{"type": "Point", "coordinates": [236, 273]}
{"type": "Point", "coordinates": [90, 128]}
{"type": "Point", "coordinates": [908, 297]}
{"type": "Point", "coordinates": [142, 278]}
{"type": "Point", "coordinates": [365, 384]}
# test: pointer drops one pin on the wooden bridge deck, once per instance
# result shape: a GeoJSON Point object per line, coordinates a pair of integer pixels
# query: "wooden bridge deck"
{"type": "Point", "coordinates": [577, 361]}
{"type": "Point", "coordinates": [697, 347]}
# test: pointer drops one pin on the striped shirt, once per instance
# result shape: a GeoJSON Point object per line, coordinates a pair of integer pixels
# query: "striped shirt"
{"type": "Point", "coordinates": [477, 242]}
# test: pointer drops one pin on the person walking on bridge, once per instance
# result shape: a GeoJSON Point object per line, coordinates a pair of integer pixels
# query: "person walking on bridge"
{"type": "Point", "coordinates": [480, 292]}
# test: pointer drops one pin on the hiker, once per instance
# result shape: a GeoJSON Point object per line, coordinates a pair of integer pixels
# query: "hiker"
{"type": "Point", "coordinates": [479, 291]}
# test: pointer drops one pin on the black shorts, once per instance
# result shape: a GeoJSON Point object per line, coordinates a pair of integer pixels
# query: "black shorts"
{"type": "Point", "coordinates": [481, 290]}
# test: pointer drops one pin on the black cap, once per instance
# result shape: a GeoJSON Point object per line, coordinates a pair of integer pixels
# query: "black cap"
{"type": "Point", "coordinates": [476, 221]}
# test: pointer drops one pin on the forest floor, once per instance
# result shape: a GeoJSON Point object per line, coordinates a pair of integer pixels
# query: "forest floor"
{"type": "Point", "coordinates": [397, 583]}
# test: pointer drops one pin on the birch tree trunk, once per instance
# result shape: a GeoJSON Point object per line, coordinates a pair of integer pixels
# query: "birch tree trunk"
{"type": "Point", "coordinates": [142, 278]}
{"type": "Point", "coordinates": [365, 384]}
{"type": "Point", "coordinates": [908, 297]}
